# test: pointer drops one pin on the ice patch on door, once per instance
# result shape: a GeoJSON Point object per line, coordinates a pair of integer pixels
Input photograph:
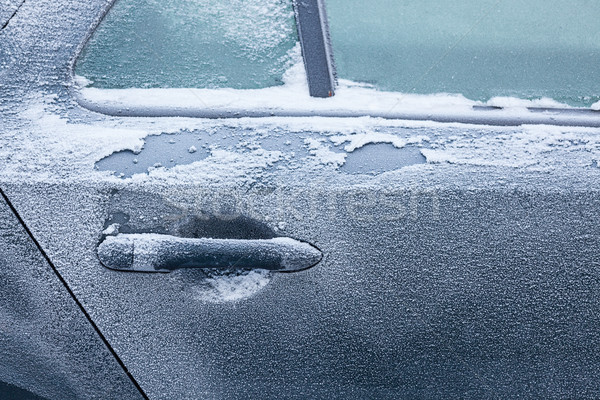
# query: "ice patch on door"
{"type": "Point", "coordinates": [158, 151]}
{"type": "Point", "coordinates": [381, 157]}
{"type": "Point", "coordinates": [228, 286]}
{"type": "Point", "coordinates": [166, 151]}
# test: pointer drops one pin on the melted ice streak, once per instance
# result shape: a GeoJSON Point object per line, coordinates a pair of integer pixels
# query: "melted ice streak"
{"type": "Point", "coordinates": [221, 286]}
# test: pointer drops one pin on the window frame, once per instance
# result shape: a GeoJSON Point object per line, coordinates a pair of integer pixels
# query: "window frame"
{"type": "Point", "coordinates": [319, 65]}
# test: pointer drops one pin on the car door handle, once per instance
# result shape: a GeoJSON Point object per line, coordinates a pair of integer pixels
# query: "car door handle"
{"type": "Point", "coordinates": [163, 253]}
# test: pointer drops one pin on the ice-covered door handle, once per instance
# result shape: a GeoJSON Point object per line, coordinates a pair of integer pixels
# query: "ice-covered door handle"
{"type": "Point", "coordinates": [163, 253]}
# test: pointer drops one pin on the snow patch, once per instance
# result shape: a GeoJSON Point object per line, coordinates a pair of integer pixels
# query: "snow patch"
{"type": "Point", "coordinates": [112, 229]}
{"type": "Point", "coordinates": [513, 102]}
{"type": "Point", "coordinates": [222, 287]}
{"type": "Point", "coordinates": [222, 166]}
{"type": "Point", "coordinates": [529, 146]}
{"type": "Point", "coordinates": [323, 153]}
{"type": "Point", "coordinates": [56, 138]}
{"type": "Point", "coordinates": [82, 81]}
{"type": "Point", "coordinates": [358, 140]}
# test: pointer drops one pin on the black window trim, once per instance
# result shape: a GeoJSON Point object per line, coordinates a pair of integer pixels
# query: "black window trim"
{"type": "Point", "coordinates": [313, 32]}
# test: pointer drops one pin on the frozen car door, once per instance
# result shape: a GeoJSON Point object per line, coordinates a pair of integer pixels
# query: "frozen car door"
{"type": "Point", "coordinates": [458, 260]}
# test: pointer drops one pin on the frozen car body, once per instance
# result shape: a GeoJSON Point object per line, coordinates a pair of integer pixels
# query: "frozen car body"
{"type": "Point", "coordinates": [471, 275]}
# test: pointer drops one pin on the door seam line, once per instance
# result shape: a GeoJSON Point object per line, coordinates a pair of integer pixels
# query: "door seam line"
{"type": "Point", "coordinates": [13, 15]}
{"type": "Point", "coordinates": [77, 302]}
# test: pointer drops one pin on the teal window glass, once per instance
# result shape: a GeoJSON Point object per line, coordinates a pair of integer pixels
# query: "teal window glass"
{"type": "Point", "coordinates": [479, 48]}
{"type": "Point", "coordinates": [241, 44]}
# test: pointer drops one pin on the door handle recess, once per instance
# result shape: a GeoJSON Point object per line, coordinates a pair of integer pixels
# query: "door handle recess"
{"type": "Point", "coordinates": [163, 253]}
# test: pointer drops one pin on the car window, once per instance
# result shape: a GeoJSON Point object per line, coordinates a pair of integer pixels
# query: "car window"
{"type": "Point", "coordinates": [478, 48]}
{"type": "Point", "coordinates": [241, 44]}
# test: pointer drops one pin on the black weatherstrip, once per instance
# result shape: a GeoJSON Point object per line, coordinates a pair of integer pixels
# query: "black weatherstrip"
{"type": "Point", "coordinates": [313, 31]}
{"type": "Point", "coordinates": [62, 280]}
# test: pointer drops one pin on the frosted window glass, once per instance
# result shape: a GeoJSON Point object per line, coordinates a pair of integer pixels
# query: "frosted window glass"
{"type": "Point", "coordinates": [480, 48]}
{"type": "Point", "coordinates": [242, 44]}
